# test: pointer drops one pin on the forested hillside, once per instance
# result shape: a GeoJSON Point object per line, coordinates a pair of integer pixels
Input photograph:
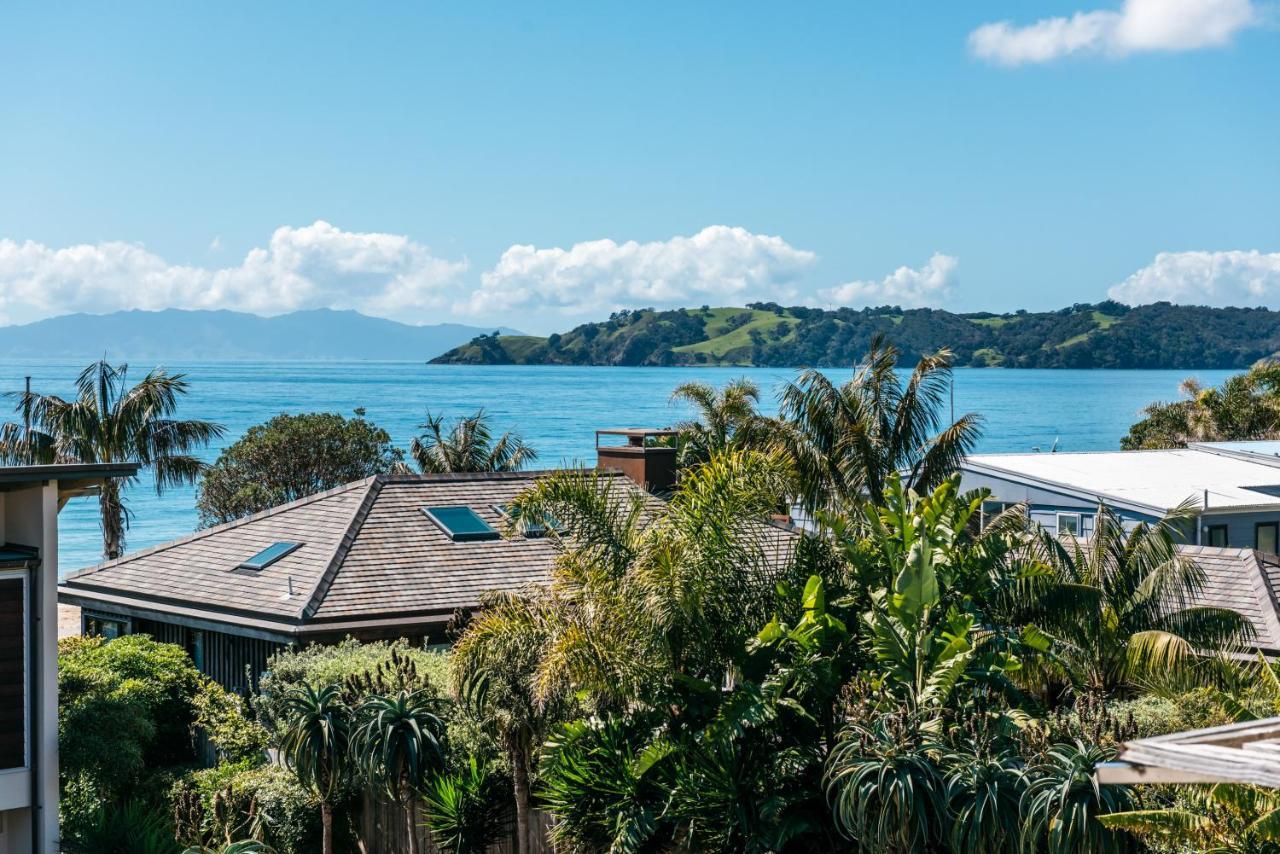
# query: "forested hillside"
{"type": "Point", "coordinates": [1106, 335]}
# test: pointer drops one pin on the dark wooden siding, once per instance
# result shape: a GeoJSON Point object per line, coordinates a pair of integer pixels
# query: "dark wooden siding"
{"type": "Point", "coordinates": [13, 675]}
{"type": "Point", "coordinates": [232, 661]}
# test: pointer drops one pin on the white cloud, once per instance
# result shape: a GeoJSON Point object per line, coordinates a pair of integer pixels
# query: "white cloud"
{"type": "Point", "coordinates": [718, 264]}
{"type": "Point", "coordinates": [1139, 25]}
{"type": "Point", "coordinates": [1205, 278]}
{"type": "Point", "coordinates": [315, 266]}
{"type": "Point", "coordinates": [911, 288]}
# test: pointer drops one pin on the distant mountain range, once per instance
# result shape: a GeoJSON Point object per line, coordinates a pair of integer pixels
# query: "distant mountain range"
{"type": "Point", "coordinates": [212, 335]}
{"type": "Point", "coordinates": [1105, 335]}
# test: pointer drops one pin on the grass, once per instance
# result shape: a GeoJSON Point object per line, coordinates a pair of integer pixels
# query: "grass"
{"type": "Point", "coordinates": [993, 322]}
{"type": "Point", "coordinates": [1105, 321]}
{"type": "Point", "coordinates": [520, 346]}
{"type": "Point", "coordinates": [988, 357]}
{"type": "Point", "coordinates": [721, 340]}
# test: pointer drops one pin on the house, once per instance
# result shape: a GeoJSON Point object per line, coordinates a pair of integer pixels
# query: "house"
{"type": "Point", "coordinates": [1232, 487]}
{"type": "Point", "coordinates": [30, 498]}
{"type": "Point", "coordinates": [386, 557]}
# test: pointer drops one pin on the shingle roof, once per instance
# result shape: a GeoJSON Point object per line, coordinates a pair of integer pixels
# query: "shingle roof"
{"type": "Point", "coordinates": [1245, 581]}
{"type": "Point", "coordinates": [368, 555]}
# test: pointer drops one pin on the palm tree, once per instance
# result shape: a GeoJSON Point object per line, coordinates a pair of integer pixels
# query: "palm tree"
{"type": "Point", "coordinates": [847, 440]}
{"type": "Point", "coordinates": [726, 419]}
{"type": "Point", "coordinates": [494, 662]}
{"type": "Point", "coordinates": [398, 744]}
{"type": "Point", "coordinates": [111, 421]}
{"type": "Point", "coordinates": [646, 592]}
{"type": "Point", "coordinates": [1226, 818]}
{"type": "Point", "coordinates": [1121, 606]}
{"type": "Point", "coordinates": [468, 446]}
{"type": "Point", "coordinates": [315, 747]}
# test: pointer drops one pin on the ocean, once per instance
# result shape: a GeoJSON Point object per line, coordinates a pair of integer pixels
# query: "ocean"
{"type": "Point", "coordinates": [558, 408]}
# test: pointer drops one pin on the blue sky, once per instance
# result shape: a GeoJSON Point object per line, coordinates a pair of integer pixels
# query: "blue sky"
{"type": "Point", "coordinates": [389, 158]}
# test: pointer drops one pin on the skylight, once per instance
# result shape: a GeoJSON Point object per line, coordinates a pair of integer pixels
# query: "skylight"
{"type": "Point", "coordinates": [462, 524]}
{"type": "Point", "coordinates": [269, 555]}
{"type": "Point", "coordinates": [531, 529]}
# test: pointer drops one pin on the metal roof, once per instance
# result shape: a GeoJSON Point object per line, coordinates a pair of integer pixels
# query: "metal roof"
{"type": "Point", "coordinates": [1155, 480]}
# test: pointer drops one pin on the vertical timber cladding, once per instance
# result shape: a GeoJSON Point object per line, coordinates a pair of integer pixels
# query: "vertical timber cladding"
{"type": "Point", "coordinates": [13, 670]}
{"type": "Point", "coordinates": [234, 662]}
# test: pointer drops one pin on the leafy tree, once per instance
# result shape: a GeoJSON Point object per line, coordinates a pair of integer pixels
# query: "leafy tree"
{"type": "Point", "coordinates": [494, 662]}
{"type": "Point", "coordinates": [848, 440]}
{"type": "Point", "coordinates": [1065, 805]}
{"type": "Point", "coordinates": [291, 457]}
{"type": "Point", "coordinates": [398, 745]}
{"type": "Point", "coordinates": [468, 446]}
{"type": "Point", "coordinates": [726, 419]}
{"type": "Point", "coordinates": [1224, 818]}
{"type": "Point", "coordinates": [1120, 607]}
{"type": "Point", "coordinates": [316, 748]}
{"type": "Point", "coordinates": [111, 421]}
{"type": "Point", "coordinates": [466, 809]}
{"type": "Point", "coordinates": [1246, 406]}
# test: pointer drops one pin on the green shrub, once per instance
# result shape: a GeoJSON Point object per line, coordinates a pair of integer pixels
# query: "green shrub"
{"type": "Point", "coordinates": [339, 664]}
{"type": "Point", "coordinates": [238, 801]}
{"type": "Point", "coordinates": [157, 682]}
{"type": "Point", "coordinates": [134, 827]}
{"type": "Point", "coordinates": [224, 718]}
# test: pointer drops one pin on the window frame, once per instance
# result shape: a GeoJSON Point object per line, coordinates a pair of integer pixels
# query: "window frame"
{"type": "Point", "coordinates": [1257, 529]}
{"type": "Point", "coordinates": [126, 623]}
{"type": "Point", "coordinates": [1057, 521]}
{"type": "Point", "coordinates": [23, 576]}
{"type": "Point", "coordinates": [1226, 539]}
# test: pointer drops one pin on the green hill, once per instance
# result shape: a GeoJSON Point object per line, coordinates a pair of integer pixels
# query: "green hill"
{"type": "Point", "coordinates": [1106, 335]}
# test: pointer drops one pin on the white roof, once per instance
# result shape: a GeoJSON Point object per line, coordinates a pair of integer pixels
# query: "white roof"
{"type": "Point", "coordinates": [1160, 480]}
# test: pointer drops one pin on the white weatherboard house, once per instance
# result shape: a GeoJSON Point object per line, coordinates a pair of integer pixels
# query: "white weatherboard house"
{"type": "Point", "coordinates": [1232, 488]}
{"type": "Point", "coordinates": [30, 498]}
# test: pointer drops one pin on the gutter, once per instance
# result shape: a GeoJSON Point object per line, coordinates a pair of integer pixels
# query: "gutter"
{"type": "Point", "coordinates": [1063, 488]}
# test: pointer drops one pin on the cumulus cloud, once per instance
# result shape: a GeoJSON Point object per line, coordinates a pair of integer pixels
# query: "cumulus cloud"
{"type": "Point", "coordinates": [911, 288]}
{"type": "Point", "coordinates": [718, 263]}
{"type": "Point", "coordinates": [1139, 25]}
{"type": "Point", "coordinates": [1206, 278]}
{"type": "Point", "coordinates": [315, 266]}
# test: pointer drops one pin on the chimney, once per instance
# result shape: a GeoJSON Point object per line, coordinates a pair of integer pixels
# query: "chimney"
{"type": "Point", "coordinates": [648, 456]}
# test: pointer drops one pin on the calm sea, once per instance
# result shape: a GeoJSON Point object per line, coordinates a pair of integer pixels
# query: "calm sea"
{"type": "Point", "coordinates": [557, 408]}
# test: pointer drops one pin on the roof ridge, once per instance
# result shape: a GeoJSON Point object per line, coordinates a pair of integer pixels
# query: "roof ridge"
{"type": "Point", "coordinates": [339, 555]}
{"type": "Point", "coordinates": [1269, 594]}
{"type": "Point", "coordinates": [226, 526]}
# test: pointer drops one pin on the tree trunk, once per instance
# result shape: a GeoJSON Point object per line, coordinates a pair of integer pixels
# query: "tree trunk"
{"type": "Point", "coordinates": [520, 783]}
{"type": "Point", "coordinates": [326, 827]}
{"type": "Point", "coordinates": [112, 512]}
{"type": "Point", "coordinates": [411, 815]}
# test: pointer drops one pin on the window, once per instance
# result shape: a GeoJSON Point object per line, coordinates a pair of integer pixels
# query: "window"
{"type": "Point", "coordinates": [269, 555]}
{"type": "Point", "coordinates": [13, 670]}
{"type": "Point", "coordinates": [1266, 535]}
{"type": "Point", "coordinates": [1217, 536]}
{"type": "Point", "coordinates": [531, 529]}
{"type": "Point", "coordinates": [108, 626]}
{"type": "Point", "coordinates": [462, 524]}
{"type": "Point", "coordinates": [1069, 523]}
{"type": "Point", "coordinates": [195, 648]}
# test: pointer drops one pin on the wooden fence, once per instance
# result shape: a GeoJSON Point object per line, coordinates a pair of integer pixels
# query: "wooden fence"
{"type": "Point", "coordinates": [384, 830]}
